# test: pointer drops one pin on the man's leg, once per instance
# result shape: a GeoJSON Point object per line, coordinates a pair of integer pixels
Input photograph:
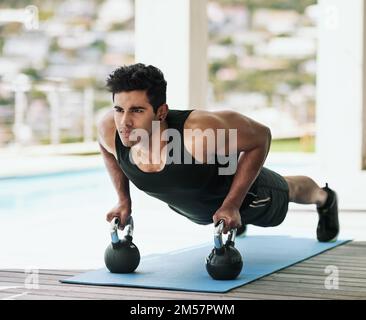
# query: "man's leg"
{"type": "Point", "coordinates": [304, 190]}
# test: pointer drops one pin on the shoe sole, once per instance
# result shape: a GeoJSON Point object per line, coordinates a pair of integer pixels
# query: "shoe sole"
{"type": "Point", "coordinates": [331, 240]}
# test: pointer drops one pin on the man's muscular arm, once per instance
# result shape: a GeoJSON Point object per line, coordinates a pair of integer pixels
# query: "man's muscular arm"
{"type": "Point", "coordinates": [106, 135]}
{"type": "Point", "coordinates": [253, 140]}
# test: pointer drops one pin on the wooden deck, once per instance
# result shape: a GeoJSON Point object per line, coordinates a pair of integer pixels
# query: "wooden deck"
{"type": "Point", "coordinates": [305, 280]}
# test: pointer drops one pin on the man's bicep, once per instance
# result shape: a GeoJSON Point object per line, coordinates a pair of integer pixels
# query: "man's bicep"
{"type": "Point", "coordinates": [251, 134]}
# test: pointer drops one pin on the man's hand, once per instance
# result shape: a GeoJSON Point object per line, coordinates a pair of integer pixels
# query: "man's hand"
{"type": "Point", "coordinates": [122, 211]}
{"type": "Point", "coordinates": [230, 214]}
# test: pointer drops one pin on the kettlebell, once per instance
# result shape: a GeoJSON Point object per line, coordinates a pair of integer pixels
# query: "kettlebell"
{"type": "Point", "coordinates": [225, 261]}
{"type": "Point", "coordinates": [121, 256]}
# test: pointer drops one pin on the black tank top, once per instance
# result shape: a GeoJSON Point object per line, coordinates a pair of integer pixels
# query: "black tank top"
{"type": "Point", "coordinates": [193, 190]}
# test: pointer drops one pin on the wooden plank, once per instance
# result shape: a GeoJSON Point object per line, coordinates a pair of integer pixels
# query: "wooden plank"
{"type": "Point", "coordinates": [351, 246]}
{"type": "Point", "coordinates": [12, 296]}
{"type": "Point", "coordinates": [69, 273]}
{"type": "Point", "coordinates": [345, 248]}
{"type": "Point", "coordinates": [316, 275]}
{"type": "Point", "coordinates": [300, 282]}
{"type": "Point", "coordinates": [321, 269]}
{"type": "Point", "coordinates": [360, 244]}
{"type": "Point", "coordinates": [305, 276]}
{"type": "Point", "coordinates": [314, 284]}
{"type": "Point", "coordinates": [338, 262]}
{"type": "Point", "coordinates": [308, 289]}
{"type": "Point", "coordinates": [354, 245]}
{"type": "Point", "coordinates": [344, 257]}
{"type": "Point", "coordinates": [319, 264]}
{"type": "Point", "coordinates": [38, 297]}
{"type": "Point", "coordinates": [341, 273]}
{"type": "Point", "coordinates": [83, 295]}
{"type": "Point", "coordinates": [356, 255]}
{"type": "Point", "coordinates": [40, 276]}
{"type": "Point", "coordinates": [312, 294]}
{"type": "Point", "coordinates": [332, 262]}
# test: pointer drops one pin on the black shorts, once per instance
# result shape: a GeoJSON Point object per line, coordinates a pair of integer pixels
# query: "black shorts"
{"type": "Point", "coordinates": [266, 203]}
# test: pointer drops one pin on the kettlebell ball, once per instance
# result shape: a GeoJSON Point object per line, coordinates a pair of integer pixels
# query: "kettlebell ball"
{"type": "Point", "coordinates": [121, 256]}
{"type": "Point", "coordinates": [225, 261]}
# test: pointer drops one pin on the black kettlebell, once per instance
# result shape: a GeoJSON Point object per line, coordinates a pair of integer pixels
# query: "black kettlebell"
{"type": "Point", "coordinates": [122, 256]}
{"type": "Point", "coordinates": [225, 261]}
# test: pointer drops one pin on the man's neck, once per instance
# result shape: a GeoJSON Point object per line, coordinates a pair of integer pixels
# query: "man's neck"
{"type": "Point", "coordinates": [157, 141]}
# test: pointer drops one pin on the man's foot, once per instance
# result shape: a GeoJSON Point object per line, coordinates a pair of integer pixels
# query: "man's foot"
{"type": "Point", "coordinates": [241, 232]}
{"type": "Point", "coordinates": [328, 225]}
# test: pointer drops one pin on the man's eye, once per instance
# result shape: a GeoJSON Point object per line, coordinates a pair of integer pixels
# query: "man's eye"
{"type": "Point", "coordinates": [138, 110]}
{"type": "Point", "coordinates": [118, 109]}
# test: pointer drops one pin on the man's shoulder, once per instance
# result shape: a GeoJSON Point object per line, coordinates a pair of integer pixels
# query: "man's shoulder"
{"type": "Point", "coordinates": [203, 119]}
{"type": "Point", "coordinates": [107, 131]}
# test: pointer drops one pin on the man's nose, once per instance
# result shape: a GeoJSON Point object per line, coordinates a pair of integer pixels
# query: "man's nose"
{"type": "Point", "coordinates": [126, 120]}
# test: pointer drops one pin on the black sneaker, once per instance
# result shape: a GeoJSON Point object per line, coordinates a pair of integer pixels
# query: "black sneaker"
{"type": "Point", "coordinates": [241, 231]}
{"type": "Point", "coordinates": [328, 225]}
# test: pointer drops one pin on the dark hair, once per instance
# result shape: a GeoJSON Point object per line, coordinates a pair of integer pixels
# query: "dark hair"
{"type": "Point", "coordinates": [139, 77]}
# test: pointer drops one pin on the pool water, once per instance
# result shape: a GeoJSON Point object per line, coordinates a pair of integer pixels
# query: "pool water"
{"type": "Point", "coordinates": [30, 194]}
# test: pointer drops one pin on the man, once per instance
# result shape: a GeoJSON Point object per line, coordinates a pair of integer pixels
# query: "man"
{"type": "Point", "coordinates": [252, 194]}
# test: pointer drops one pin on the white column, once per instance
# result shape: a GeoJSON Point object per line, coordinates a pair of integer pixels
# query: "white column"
{"type": "Point", "coordinates": [340, 98]}
{"type": "Point", "coordinates": [53, 98]}
{"type": "Point", "coordinates": [88, 114]}
{"type": "Point", "coordinates": [22, 132]}
{"type": "Point", "coordinates": [20, 106]}
{"type": "Point", "coordinates": [172, 35]}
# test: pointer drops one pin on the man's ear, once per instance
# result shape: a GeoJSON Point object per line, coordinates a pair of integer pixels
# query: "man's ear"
{"type": "Point", "coordinates": [162, 112]}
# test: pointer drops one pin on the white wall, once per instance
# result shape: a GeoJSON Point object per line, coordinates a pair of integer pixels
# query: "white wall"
{"type": "Point", "coordinates": [340, 99]}
{"type": "Point", "coordinates": [172, 35]}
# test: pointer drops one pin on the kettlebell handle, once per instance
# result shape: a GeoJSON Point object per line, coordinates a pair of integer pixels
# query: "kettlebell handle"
{"type": "Point", "coordinates": [114, 228]}
{"type": "Point", "coordinates": [218, 235]}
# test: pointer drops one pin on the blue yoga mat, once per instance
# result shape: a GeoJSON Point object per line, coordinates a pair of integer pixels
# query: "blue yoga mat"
{"type": "Point", "coordinates": [185, 269]}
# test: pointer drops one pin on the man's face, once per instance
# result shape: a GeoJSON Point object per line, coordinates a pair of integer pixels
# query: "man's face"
{"type": "Point", "coordinates": [132, 110]}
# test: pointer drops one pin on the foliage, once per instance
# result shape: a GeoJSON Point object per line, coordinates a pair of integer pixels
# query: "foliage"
{"type": "Point", "coordinates": [297, 5]}
{"type": "Point", "coordinates": [304, 144]}
{"type": "Point", "coordinates": [34, 74]}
